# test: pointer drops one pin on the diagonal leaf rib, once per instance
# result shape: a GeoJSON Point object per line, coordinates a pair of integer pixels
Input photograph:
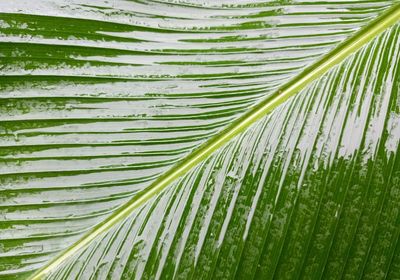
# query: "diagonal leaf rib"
{"type": "Point", "coordinates": [358, 40]}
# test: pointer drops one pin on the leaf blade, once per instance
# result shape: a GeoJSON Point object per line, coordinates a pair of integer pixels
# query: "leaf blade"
{"type": "Point", "coordinates": [98, 170]}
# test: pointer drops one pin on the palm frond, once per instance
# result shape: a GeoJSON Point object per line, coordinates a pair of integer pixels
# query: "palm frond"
{"type": "Point", "coordinates": [100, 100]}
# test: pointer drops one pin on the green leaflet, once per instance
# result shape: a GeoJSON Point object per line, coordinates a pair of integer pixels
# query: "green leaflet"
{"type": "Point", "coordinates": [78, 113]}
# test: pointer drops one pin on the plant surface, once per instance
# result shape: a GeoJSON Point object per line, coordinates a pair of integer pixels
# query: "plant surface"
{"type": "Point", "coordinates": [188, 140]}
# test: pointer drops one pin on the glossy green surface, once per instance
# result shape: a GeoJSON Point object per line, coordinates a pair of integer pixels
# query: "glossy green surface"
{"type": "Point", "coordinates": [99, 100]}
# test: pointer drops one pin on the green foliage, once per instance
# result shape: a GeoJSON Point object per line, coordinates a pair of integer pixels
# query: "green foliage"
{"type": "Point", "coordinates": [105, 107]}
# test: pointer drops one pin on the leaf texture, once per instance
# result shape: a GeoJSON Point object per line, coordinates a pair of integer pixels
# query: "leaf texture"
{"type": "Point", "coordinates": [98, 100]}
{"type": "Point", "coordinates": [320, 202]}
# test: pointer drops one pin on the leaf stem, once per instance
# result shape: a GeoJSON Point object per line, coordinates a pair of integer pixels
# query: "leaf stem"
{"type": "Point", "coordinates": [337, 55]}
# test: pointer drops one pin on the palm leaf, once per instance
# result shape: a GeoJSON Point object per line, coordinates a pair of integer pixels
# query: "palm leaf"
{"type": "Point", "coordinates": [121, 156]}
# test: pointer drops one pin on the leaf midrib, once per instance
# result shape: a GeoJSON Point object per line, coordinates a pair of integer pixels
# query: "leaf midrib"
{"type": "Point", "coordinates": [316, 70]}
